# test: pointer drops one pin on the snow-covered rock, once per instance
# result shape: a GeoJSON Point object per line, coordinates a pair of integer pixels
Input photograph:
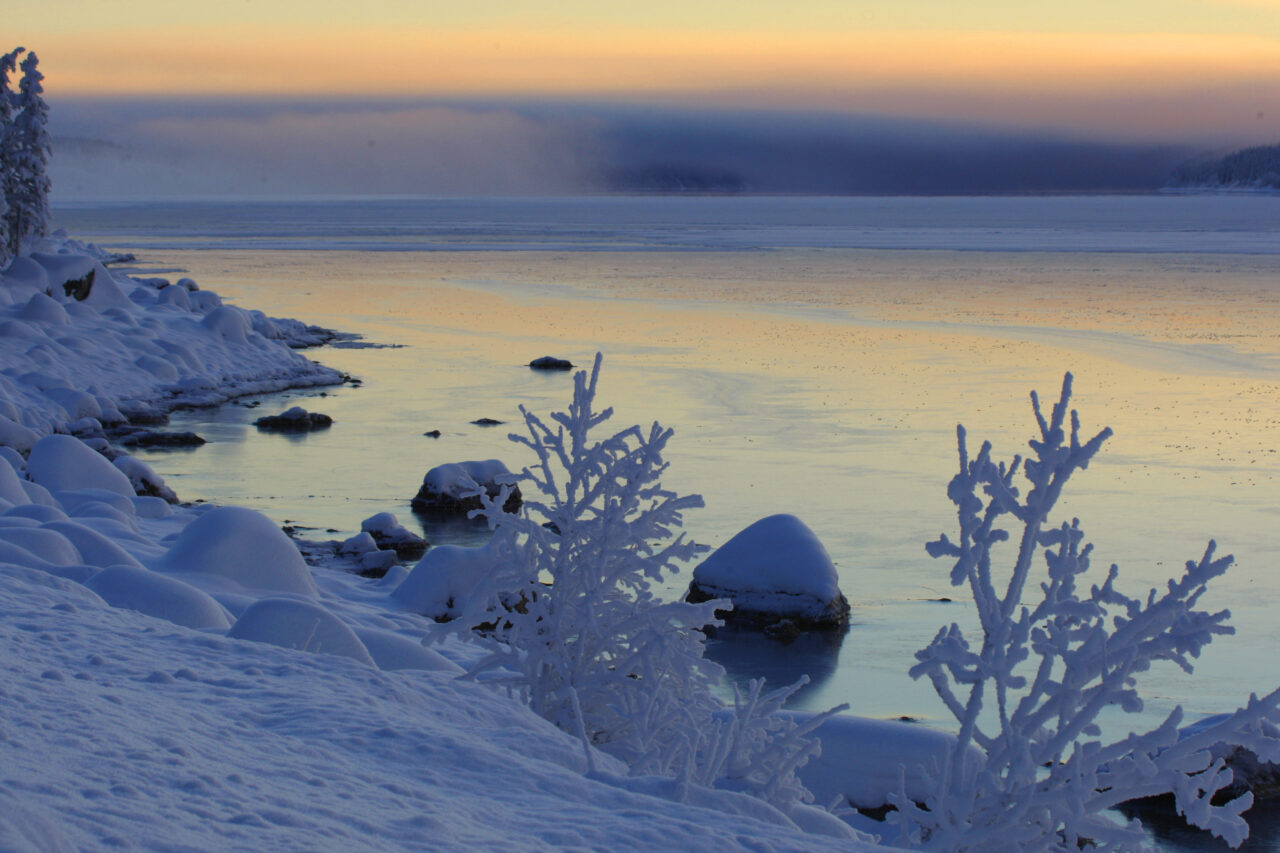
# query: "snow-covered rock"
{"type": "Point", "coordinates": [441, 580]}
{"type": "Point", "coordinates": [453, 487]}
{"type": "Point", "coordinates": [62, 463]}
{"type": "Point", "coordinates": [234, 549]}
{"type": "Point", "coordinates": [300, 625]}
{"type": "Point", "coordinates": [161, 596]}
{"type": "Point", "coordinates": [295, 419]}
{"type": "Point", "coordinates": [387, 532]}
{"type": "Point", "coordinates": [774, 571]}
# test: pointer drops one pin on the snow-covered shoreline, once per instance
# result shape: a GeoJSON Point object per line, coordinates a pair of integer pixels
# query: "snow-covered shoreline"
{"type": "Point", "coordinates": [131, 716]}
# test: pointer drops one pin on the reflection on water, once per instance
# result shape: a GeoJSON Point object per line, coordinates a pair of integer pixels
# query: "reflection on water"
{"type": "Point", "coordinates": [441, 528]}
{"type": "Point", "coordinates": [749, 654]}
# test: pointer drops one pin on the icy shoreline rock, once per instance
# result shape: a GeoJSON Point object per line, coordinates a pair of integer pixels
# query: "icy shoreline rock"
{"type": "Point", "coordinates": [452, 488]}
{"type": "Point", "coordinates": [295, 419]}
{"type": "Point", "coordinates": [778, 576]}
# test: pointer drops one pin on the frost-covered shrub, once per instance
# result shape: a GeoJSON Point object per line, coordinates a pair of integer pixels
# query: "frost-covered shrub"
{"type": "Point", "coordinates": [1051, 657]}
{"type": "Point", "coordinates": [577, 630]}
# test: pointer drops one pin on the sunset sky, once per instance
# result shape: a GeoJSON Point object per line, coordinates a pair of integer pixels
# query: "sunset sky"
{"type": "Point", "coordinates": [1202, 72]}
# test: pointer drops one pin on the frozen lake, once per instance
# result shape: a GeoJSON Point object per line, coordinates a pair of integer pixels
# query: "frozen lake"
{"type": "Point", "coordinates": [813, 356]}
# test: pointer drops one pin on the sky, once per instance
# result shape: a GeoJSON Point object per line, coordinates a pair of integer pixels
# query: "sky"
{"type": "Point", "coordinates": [554, 76]}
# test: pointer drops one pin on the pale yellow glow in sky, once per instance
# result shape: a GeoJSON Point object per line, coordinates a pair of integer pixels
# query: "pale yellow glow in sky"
{"type": "Point", "coordinates": [920, 57]}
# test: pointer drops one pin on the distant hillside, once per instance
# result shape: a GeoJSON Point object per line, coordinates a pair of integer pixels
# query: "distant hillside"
{"type": "Point", "coordinates": [1249, 168]}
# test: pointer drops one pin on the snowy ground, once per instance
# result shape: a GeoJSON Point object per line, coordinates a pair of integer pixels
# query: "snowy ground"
{"type": "Point", "coordinates": [334, 730]}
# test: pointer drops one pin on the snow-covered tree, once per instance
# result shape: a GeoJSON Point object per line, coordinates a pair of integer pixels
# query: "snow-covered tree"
{"type": "Point", "coordinates": [1053, 656]}
{"type": "Point", "coordinates": [8, 149]}
{"type": "Point", "coordinates": [27, 193]}
{"type": "Point", "coordinates": [573, 624]}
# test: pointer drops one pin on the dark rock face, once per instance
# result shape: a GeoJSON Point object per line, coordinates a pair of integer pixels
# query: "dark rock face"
{"type": "Point", "coordinates": [548, 362]}
{"type": "Point", "coordinates": [434, 433]}
{"type": "Point", "coordinates": [80, 288]}
{"type": "Point", "coordinates": [781, 623]}
{"type": "Point", "coordinates": [151, 438]}
{"type": "Point", "coordinates": [487, 422]}
{"type": "Point", "coordinates": [296, 419]}
{"type": "Point", "coordinates": [429, 502]}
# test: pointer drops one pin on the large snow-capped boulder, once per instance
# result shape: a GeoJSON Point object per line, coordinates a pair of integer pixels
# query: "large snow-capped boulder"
{"type": "Point", "coordinates": [49, 545]}
{"type": "Point", "coordinates": [299, 625]}
{"type": "Point", "coordinates": [61, 463]}
{"type": "Point", "coordinates": [134, 588]}
{"type": "Point", "coordinates": [441, 581]}
{"type": "Point", "coordinates": [452, 488]}
{"type": "Point", "coordinates": [238, 548]}
{"type": "Point", "coordinates": [776, 571]}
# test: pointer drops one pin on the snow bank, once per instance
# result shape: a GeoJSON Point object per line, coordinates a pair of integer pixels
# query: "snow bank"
{"type": "Point", "coordinates": [774, 570]}
{"type": "Point", "coordinates": [74, 333]}
{"type": "Point", "coordinates": [237, 549]}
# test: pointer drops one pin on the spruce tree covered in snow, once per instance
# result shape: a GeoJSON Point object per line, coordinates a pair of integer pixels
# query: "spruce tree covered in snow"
{"type": "Point", "coordinates": [8, 149]}
{"type": "Point", "coordinates": [574, 626]}
{"type": "Point", "coordinates": [1052, 656]}
{"type": "Point", "coordinates": [27, 186]}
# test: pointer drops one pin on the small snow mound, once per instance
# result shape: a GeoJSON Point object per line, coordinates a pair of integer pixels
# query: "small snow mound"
{"type": "Point", "coordinates": [387, 532]}
{"type": "Point", "coordinates": [299, 625]}
{"type": "Point", "coordinates": [41, 308]}
{"type": "Point", "coordinates": [242, 547]}
{"type": "Point", "coordinates": [11, 486]}
{"type": "Point", "coordinates": [17, 436]}
{"type": "Point", "coordinates": [62, 463]}
{"type": "Point", "coordinates": [452, 487]}
{"type": "Point", "coordinates": [161, 596]}
{"type": "Point", "coordinates": [95, 549]}
{"type": "Point", "coordinates": [774, 570]}
{"type": "Point", "coordinates": [144, 480]}
{"type": "Point", "coordinates": [441, 581]}
{"type": "Point", "coordinates": [229, 322]}
{"type": "Point", "coordinates": [78, 404]}
{"type": "Point", "coordinates": [49, 545]}
{"type": "Point", "coordinates": [175, 296]}
{"type": "Point", "coordinates": [392, 651]}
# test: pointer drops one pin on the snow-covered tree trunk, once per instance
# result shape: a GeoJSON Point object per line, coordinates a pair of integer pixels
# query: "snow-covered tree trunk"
{"type": "Point", "coordinates": [1050, 659]}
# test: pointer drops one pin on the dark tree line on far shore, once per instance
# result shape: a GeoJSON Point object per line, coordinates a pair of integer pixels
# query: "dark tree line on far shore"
{"type": "Point", "coordinates": [24, 154]}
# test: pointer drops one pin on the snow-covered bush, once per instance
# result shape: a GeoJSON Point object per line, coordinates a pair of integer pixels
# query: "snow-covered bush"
{"type": "Point", "coordinates": [578, 631]}
{"type": "Point", "coordinates": [1053, 656]}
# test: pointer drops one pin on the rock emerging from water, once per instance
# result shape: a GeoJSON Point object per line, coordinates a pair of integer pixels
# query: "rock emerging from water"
{"type": "Point", "coordinates": [296, 419]}
{"type": "Point", "coordinates": [454, 488]}
{"type": "Point", "coordinates": [550, 362]}
{"type": "Point", "coordinates": [779, 578]}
